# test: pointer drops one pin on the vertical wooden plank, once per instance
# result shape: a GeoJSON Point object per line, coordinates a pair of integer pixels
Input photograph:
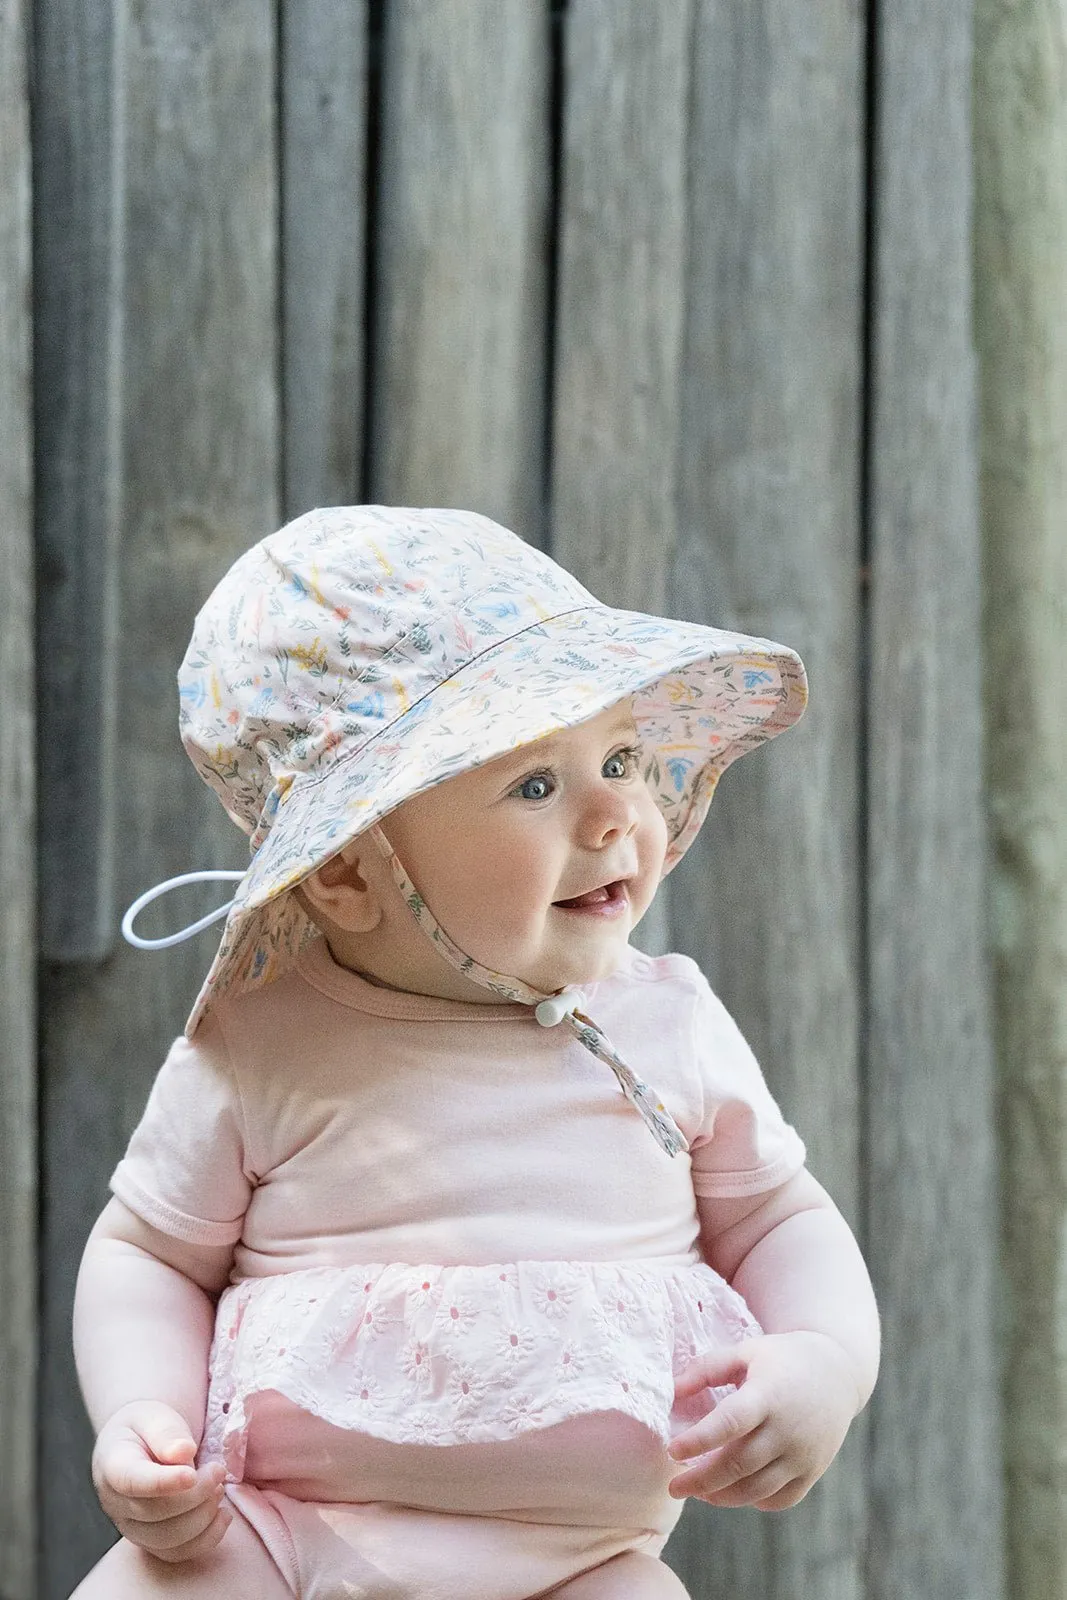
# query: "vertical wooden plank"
{"type": "Point", "coordinates": [1021, 292]}
{"type": "Point", "coordinates": [18, 1042]}
{"type": "Point", "coordinates": [323, 77]}
{"type": "Point", "coordinates": [620, 282]}
{"type": "Point", "coordinates": [76, 100]}
{"type": "Point", "coordinates": [769, 542]}
{"type": "Point", "coordinates": [935, 1450]}
{"type": "Point", "coordinates": [198, 420]}
{"type": "Point", "coordinates": [459, 352]}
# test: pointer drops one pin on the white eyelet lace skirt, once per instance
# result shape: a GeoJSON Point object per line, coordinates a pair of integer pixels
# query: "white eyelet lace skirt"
{"type": "Point", "coordinates": [446, 1355]}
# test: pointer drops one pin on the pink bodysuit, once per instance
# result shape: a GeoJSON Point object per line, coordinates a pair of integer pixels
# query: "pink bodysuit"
{"type": "Point", "coordinates": [465, 1274]}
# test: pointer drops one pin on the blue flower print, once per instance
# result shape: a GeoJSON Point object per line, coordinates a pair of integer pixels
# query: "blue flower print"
{"type": "Point", "coordinates": [754, 676]}
{"type": "Point", "coordinates": [372, 706]}
{"type": "Point", "coordinates": [678, 766]}
{"type": "Point", "coordinates": [193, 694]}
{"type": "Point", "coordinates": [262, 703]}
{"type": "Point", "coordinates": [506, 608]}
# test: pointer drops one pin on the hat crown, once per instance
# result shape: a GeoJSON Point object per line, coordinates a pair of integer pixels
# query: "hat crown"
{"type": "Point", "coordinates": [322, 634]}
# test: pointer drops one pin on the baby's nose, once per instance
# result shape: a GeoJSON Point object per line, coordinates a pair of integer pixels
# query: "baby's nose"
{"type": "Point", "coordinates": [610, 814]}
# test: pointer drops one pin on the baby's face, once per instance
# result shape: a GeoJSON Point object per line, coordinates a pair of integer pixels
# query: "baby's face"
{"type": "Point", "coordinates": [540, 863]}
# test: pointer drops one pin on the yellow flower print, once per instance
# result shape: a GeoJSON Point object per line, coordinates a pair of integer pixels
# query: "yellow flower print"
{"type": "Point", "coordinates": [678, 690]}
{"type": "Point", "coordinates": [311, 657]}
{"type": "Point", "coordinates": [314, 589]}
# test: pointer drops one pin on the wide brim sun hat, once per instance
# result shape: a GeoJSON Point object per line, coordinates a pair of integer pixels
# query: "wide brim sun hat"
{"type": "Point", "coordinates": [364, 654]}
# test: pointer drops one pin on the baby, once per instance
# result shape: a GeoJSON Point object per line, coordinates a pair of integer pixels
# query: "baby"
{"type": "Point", "coordinates": [412, 1284]}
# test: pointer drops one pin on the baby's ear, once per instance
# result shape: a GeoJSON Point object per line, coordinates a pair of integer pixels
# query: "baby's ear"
{"type": "Point", "coordinates": [340, 893]}
{"type": "Point", "coordinates": [341, 868]}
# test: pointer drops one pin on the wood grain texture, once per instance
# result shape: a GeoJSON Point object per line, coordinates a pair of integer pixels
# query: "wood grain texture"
{"type": "Point", "coordinates": [77, 381]}
{"type": "Point", "coordinates": [18, 974]}
{"type": "Point", "coordinates": [768, 541]}
{"type": "Point", "coordinates": [934, 1462]}
{"type": "Point", "coordinates": [459, 342]}
{"type": "Point", "coordinates": [323, 79]}
{"type": "Point", "coordinates": [1021, 333]}
{"type": "Point", "coordinates": [619, 306]}
{"type": "Point", "coordinates": [200, 446]}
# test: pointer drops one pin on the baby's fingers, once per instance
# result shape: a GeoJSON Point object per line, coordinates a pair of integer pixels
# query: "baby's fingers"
{"type": "Point", "coordinates": [773, 1488]}
{"type": "Point", "coordinates": [173, 1533]}
{"type": "Point", "coordinates": [730, 1471]}
{"type": "Point", "coordinates": [181, 1538]}
{"type": "Point", "coordinates": [740, 1414]}
{"type": "Point", "coordinates": [712, 1368]}
{"type": "Point", "coordinates": [127, 1469]}
{"type": "Point", "coordinates": [203, 1545]}
{"type": "Point", "coordinates": [160, 1508]}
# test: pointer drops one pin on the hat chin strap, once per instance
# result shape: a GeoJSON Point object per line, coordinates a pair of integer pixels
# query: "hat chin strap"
{"type": "Point", "coordinates": [212, 875]}
{"type": "Point", "coordinates": [548, 1009]}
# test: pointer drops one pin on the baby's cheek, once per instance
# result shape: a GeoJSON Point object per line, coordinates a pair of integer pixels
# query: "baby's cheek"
{"type": "Point", "coordinates": [646, 889]}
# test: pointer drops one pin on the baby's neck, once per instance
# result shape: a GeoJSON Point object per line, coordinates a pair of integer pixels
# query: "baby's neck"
{"type": "Point", "coordinates": [379, 983]}
{"type": "Point", "coordinates": [440, 985]}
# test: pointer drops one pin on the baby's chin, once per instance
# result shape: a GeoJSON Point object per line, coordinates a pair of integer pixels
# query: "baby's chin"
{"type": "Point", "coordinates": [561, 963]}
{"type": "Point", "coordinates": [590, 968]}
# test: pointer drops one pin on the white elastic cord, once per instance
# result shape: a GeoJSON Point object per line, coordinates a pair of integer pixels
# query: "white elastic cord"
{"type": "Point", "coordinates": [212, 875]}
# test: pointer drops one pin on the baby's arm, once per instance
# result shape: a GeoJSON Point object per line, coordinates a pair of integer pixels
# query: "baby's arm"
{"type": "Point", "coordinates": [793, 1258]}
{"type": "Point", "coordinates": [143, 1321]}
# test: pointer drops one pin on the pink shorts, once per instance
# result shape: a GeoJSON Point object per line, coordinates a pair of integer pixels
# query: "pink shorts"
{"type": "Point", "coordinates": [523, 1514]}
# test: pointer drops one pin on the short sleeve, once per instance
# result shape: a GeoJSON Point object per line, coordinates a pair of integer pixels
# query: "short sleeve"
{"type": "Point", "coordinates": [744, 1145]}
{"type": "Point", "coordinates": [185, 1170]}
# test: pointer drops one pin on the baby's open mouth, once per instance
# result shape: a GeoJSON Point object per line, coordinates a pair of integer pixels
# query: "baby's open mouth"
{"type": "Point", "coordinates": [607, 894]}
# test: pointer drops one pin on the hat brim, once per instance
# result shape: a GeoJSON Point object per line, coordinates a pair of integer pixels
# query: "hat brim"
{"type": "Point", "coordinates": [702, 697]}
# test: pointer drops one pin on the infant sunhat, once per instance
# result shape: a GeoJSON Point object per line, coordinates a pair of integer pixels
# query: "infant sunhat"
{"type": "Point", "coordinates": [365, 653]}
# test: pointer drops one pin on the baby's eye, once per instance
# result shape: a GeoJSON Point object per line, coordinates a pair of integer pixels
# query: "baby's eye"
{"type": "Point", "coordinates": [622, 763]}
{"type": "Point", "coordinates": [536, 787]}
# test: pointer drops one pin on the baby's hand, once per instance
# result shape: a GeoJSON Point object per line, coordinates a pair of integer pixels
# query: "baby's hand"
{"type": "Point", "coordinates": [144, 1475]}
{"type": "Point", "coordinates": [766, 1444]}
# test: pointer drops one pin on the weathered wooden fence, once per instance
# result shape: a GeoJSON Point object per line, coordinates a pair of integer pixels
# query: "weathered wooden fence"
{"type": "Point", "coordinates": [1021, 328]}
{"type": "Point", "coordinates": [679, 290]}
{"type": "Point", "coordinates": [18, 1074]}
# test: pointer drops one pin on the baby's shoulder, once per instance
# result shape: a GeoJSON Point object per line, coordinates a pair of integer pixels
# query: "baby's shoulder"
{"type": "Point", "coordinates": [270, 1028]}
{"type": "Point", "coordinates": [668, 992]}
{"type": "Point", "coordinates": [266, 1006]}
{"type": "Point", "coordinates": [650, 992]}
{"type": "Point", "coordinates": [671, 971]}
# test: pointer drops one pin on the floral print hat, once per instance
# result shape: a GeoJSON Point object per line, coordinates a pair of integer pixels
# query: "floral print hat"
{"type": "Point", "coordinates": [365, 653]}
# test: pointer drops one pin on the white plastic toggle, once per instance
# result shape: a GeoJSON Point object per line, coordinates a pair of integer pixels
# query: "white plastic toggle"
{"type": "Point", "coordinates": [555, 1008]}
